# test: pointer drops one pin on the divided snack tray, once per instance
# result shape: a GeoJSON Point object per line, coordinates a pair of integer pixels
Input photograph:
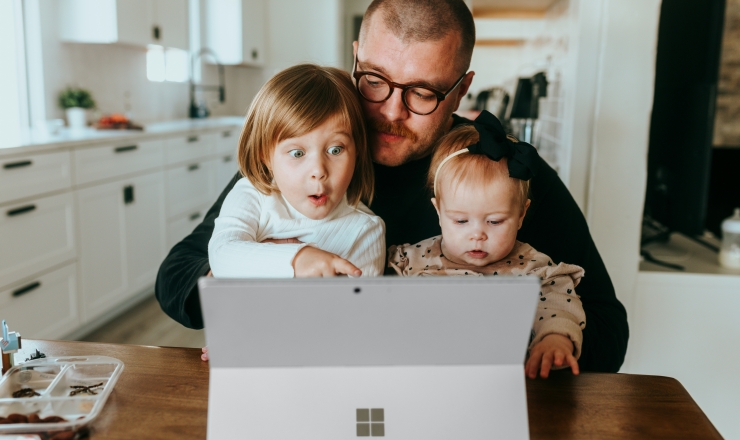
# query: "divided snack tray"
{"type": "Point", "coordinates": [57, 381]}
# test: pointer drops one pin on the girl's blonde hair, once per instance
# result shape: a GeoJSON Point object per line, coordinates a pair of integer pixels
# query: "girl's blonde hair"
{"type": "Point", "coordinates": [291, 104]}
{"type": "Point", "coordinates": [476, 167]}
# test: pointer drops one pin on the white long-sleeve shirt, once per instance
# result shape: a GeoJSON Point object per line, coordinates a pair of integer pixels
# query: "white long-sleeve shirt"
{"type": "Point", "coordinates": [248, 217]}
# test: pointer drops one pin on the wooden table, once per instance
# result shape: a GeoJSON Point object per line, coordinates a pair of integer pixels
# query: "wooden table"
{"type": "Point", "coordinates": [163, 394]}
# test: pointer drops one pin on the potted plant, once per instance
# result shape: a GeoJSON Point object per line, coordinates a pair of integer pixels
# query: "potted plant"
{"type": "Point", "coordinates": [75, 101]}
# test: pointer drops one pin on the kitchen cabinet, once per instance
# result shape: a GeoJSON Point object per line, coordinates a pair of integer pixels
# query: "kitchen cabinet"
{"type": "Point", "coordinates": [29, 175]}
{"type": "Point", "coordinates": [235, 30]}
{"type": "Point", "coordinates": [122, 240]}
{"type": "Point", "coordinates": [44, 306]}
{"type": "Point", "coordinates": [132, 22]}
{"type": "Point", "coordinates": [35, 235]}
{"type": "Point", "coordinates": [84, 225]}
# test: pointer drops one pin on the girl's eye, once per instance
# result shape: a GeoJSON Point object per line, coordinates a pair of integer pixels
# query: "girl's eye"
{"type": "Point", "coordinates": [461, 222]}
{"type": "Point", "coordinates": [334, 151]}
{"type": "Point", "coordinates": [297, 153]}
{"type": "Point", "coordinates": [495, 222]}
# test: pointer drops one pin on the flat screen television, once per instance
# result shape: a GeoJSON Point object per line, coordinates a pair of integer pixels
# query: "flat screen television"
{"type": "Point", "coordinates": [682, 123]}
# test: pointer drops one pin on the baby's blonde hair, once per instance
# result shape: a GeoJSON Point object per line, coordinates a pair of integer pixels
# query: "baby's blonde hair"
{"type": "Point", "coordinates": [466, 166]}
{"type": "Point", "coordinates": [294, 102]}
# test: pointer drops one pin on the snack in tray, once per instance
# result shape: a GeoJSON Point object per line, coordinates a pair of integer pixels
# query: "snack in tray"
{"type": "Point", "coordinates": [116, 121]}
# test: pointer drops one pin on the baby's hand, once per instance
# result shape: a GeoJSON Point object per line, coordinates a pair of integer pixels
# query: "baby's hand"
{"type": "Point", "coordinates": [551, 350]}
{"type": "Point", "coordinates": [204, 356]}
{"type": "Point", "coordinates": [313, 262]}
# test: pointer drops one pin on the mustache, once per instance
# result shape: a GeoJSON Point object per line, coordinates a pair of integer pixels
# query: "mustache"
{"type": "Point", "coordinates": [394, 128]}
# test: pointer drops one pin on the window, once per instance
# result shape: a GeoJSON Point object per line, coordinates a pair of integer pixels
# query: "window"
{"type": "Point", "coordinates": [166, 64]}
{"type": "Point", "coordinates": [370, 422]}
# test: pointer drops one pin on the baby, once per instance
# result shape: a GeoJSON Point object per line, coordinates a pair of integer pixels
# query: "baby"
{"type": "Point", "coordinates": [480, 181]}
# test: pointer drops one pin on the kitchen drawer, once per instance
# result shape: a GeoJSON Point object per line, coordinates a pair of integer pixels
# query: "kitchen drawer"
{"type": "Point", "coordinates": [190, 187]}
{"type": "Point", "coordinates": [44, 306]}
{"type": "Point", "coordinates": [31, 175]}
{"type": "Point", "coordinates": [179, 228]}
{"type": "Point", "coordinates": [228, 141]}
{"type": "Point", "coordinates": [36, 235]}
{"type": "Point", "coordinates": [226, 167]}
{"type": "Point", "coordinates": [99, 163]}
{"type": "Point", "coordinates": [192, 147]}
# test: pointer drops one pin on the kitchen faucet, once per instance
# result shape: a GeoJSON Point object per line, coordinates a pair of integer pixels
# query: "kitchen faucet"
{"type": "Point", "coordinates": [200, 110]}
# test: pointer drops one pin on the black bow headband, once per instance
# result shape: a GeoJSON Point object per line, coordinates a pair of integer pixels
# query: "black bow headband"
{"type": "Point", "coordinates": [523, 160]}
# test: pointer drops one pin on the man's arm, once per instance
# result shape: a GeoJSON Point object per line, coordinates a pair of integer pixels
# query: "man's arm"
{"type": "Point", "coordinates": [176, 288]}
{"type": "Point", "coordinates": [556, 226]}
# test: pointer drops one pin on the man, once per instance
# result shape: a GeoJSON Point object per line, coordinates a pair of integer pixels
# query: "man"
{"type": "Point", "coordinates": [428, 44]}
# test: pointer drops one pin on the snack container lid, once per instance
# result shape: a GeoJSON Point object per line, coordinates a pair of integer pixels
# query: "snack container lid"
{"type": "Point", "coordinates": [73, 388]}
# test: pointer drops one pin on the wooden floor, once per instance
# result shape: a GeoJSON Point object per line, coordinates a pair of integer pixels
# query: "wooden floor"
{"type": "Point", "coordinates": [146, 324]}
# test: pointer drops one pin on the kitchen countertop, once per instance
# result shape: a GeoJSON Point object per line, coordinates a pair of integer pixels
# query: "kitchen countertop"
{"type": "Point", "coordinates": [37, 142]}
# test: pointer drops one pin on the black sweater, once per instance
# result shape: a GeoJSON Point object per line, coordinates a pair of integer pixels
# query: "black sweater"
{"type": "Point", "coordinates": [553, 225]}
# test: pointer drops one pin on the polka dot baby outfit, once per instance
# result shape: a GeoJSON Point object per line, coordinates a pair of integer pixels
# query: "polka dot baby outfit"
{"type": "Point", "coordinates": [559, 310]}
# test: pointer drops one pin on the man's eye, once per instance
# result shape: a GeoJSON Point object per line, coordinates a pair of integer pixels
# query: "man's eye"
{"type": "Point", "coordinates": [422, 94]}
{"type": "Point", "coordinates": [297, 153]}
{"type": "Point", "coordinates": [334, 151]}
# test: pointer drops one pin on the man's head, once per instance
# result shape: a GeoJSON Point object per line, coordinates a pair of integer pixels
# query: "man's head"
{"type": "Point", "coordinates": [419, 42]}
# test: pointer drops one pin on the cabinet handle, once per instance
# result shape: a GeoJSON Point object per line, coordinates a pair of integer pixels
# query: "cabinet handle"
{"type": "Point", "coordinates": [254, 54]}
{"type": "Point", "coordinates": [193, 139]}
{"type": "Point", "coordinates": [25, 289]}
{"type": "Point", "coordinates": [193, 167]}
{"type": "Point", "coordinates": [226, 134]}
{"type": "Point", "coordinates": [194, 216]}
{"type": "Point", "coordinates": [227, 158]}
{"type": "Point", "coordinates": [126, 148]}
{"type": "Point", "coordinates": [128, 194]}
{"type": "Point", "coordinates": [21, 164]}
{"type": "Point", "coordinates": [157, 32]}
{"type": "Point", "coordinates": [21, 210]}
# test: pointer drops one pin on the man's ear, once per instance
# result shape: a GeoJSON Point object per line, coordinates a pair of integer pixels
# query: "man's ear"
{"type": "Point", "coordinates": [355, 45]}
{"type": "Point", "coordinates": [464, 87]}
{"type": "Point", "coordinates": [524, 212]}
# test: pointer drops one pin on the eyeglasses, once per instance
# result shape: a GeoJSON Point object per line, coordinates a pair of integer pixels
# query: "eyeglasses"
{"type": "Point", "coordinates": [418, 99]}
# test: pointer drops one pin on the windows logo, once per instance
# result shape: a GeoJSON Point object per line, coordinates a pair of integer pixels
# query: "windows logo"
{"type": "Point", "coordinates": [370, 422]}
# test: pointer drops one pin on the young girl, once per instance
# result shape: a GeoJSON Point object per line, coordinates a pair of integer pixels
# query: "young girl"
{"type": "Point", "coordinates": [307, 171]}
{"type": "Point", "coordinates": [480, 183]}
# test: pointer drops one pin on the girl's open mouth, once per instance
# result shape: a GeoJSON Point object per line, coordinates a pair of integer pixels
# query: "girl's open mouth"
{"type": "Point", "coordinates": [318, 199]}
{"type": "Point", "coordinates": [478, 254]}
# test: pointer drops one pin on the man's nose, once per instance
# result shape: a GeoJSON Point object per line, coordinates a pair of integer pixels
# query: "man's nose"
{"type": "Point", "coordinates": [393, 108]}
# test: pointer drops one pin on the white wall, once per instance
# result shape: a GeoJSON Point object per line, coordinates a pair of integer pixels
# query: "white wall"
{"type": "Point", "coordinates": [10, 111]}
{"type": "Point", "coordinates": [621, 126]}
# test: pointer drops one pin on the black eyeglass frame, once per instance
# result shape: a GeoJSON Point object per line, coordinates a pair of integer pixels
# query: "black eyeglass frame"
{"type": "Point", "coordinates": [357, 74]}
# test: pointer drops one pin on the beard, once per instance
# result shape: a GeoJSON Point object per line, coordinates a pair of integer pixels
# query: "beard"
{"type": "Point", "coordinates": [416, 146]}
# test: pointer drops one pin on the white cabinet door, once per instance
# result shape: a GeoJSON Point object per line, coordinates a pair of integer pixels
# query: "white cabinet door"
{"type": "Point", "coordinates": [179, 228]}
{"type": "Point", "coordinates": [34, 174]}
{"type": "Point", "coordinates": [145, 231]}
{"type": "Point", "coordinates": [36, 235]}
{"type": "Point", "coordinates": [171, 17]}
{"type": "Point", "coordinates": [102, 254]}
{"type": "Point", "coordinates": [135, 22]}
{"type": "Point", "coordinates": [254, 17]}
{"type": "Point", "coordinates": [45, 306]}
{"type": "Point", "coordinates": [235, 30]}
{"type": "Point", "coordinates": [226, 167]}
{"type": "Point", "coordinates": [189, 187]}
{"type": "Point", "coordinates": [122, 236]}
